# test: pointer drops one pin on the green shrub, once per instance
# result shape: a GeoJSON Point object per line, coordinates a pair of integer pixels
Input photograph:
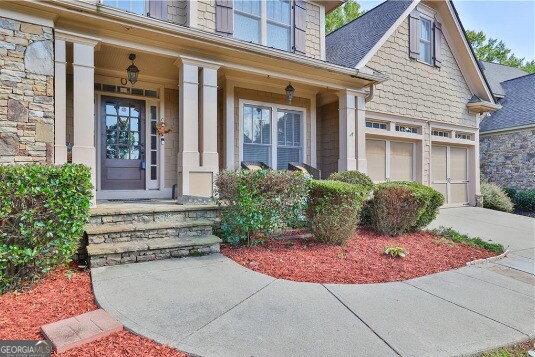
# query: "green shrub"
{"type": "Point", "coordinates": [456, 237]}
{"type": "Point", "coordinates": [525, 200]}
{"type": "Point", "coordinates": [43, 210]}
{"type": "Point", "coordinates": [495, 198]}
{"type": "Point", "coordinates": [334, 209]}
{"type": "Point", "coordinates": [511, 192]}
{"type": "Point", "coordinates": [256, 203]}
{"type": "Point", "coordinates": [419, 207]}
{"type": "Point", "coordinates": [394, 210]}
{"type": "Point", "coordinates": [354, 178]}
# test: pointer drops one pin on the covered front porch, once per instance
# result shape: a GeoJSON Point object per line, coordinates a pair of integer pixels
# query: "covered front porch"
{"type": "Point", "coordinates": [189, 116]}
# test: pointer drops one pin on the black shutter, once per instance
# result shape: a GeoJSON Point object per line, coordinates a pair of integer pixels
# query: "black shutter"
{"type": "Point", "coordinates": [158, 9]}
{"type": "Point", "coordinates": [414, 35]}
{"type": "Point", "coordinates": [437, 35]}
{"type": "Point", "coordinates": [224, 17]}
{"type": "Point", "coordinates": [300, 27]}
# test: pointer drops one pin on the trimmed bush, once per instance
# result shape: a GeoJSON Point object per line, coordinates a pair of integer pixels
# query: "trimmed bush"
{"type": "Point", "coordinates": [257, 203]}
{"type": "Point", "coordinates": [525, 200]}
{"type": "Point", "coordinates": [43, 211]}
{"type": "Point", "coordinates": [354, 178]}
{"type": "Point", "coordinates": [334, 209]}
{"type": "Point", "coordinates": [414, 208]}
{"type": "Point", "coordinates": [495, 198]}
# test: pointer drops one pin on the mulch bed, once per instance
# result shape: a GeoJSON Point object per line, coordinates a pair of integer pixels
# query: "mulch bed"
{"type": "Point", "coordinates": [360, 261]}
{"type": "Point", "coordinates": [59, 297]}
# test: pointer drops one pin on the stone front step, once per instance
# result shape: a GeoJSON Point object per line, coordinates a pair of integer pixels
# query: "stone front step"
{"type": "Point", "coordinates": [128, 232]}
{"type": "Point", "coordinates": [150, 249]}
{"type": "Point", "coordinates": [106, 233]}
{"type": "Point", "coordinates": [146, 213]}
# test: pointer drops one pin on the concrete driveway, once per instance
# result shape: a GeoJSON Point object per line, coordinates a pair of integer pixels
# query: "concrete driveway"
{"type": "Point", "coordinates": [212, 306]}
{"type": "Point", "coordinates": [516, 233]}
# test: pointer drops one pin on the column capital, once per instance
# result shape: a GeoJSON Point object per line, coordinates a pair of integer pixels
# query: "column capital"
{"type": "Point", "coordinates": [195, 61]}
{"type": "Point", "coordinates": [77, 38]}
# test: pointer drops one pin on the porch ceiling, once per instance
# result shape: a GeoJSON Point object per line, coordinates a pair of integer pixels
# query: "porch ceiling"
{"type": "Point", "coordinates": [112, 58]}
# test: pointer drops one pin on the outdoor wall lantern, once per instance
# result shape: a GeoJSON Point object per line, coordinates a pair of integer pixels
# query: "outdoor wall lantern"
{"type": "Point", "coordinates": [290, 92]}
{"type": "Point", "coordinates": [132, 70]}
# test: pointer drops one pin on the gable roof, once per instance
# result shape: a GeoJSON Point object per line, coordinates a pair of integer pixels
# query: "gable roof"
{"type": "Point", "coordinates": [354, 44]}
{"type": "Point", "coordinates": [518, 106]}
{"type": "Point", "coordinates": [497, 73]}
{"type": "Point", "coordinates": [349, 44]}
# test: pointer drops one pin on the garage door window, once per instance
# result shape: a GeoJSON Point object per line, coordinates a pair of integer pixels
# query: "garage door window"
{"type": "Point", "coordinates": [390, 160]}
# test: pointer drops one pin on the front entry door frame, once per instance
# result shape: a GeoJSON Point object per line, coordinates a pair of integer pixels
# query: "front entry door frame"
{"type": "Point", "coordinates": [153, 188]}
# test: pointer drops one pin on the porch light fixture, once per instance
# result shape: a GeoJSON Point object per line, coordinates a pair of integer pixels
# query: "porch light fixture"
{"type": "Point", "coordinates": [132, 70]}
{"type": "Point", "coordinates": [290, 92]}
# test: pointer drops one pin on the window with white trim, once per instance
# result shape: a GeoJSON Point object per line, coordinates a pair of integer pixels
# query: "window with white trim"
{"type": "Point", "coordinates": [257, 133]}
{"type": "Point", "coordinates": [406, 129]}
{"type": "Point", "coordinates": [289, 143]}
{"type": "Point", "coordinates": [261, 123]}
{"type": "Point", "coordinates": [440, 133]}
{"type": "Point", "coordinates": [135, 6]}
{"type": "Point", "coordinates": [268, 23]}
{"type": "Point", "coordinates": [463, 136]}
{"type": "Point", "coordinates": [426, 40]}
{"type": "Point", "coordinates": [376, 125]}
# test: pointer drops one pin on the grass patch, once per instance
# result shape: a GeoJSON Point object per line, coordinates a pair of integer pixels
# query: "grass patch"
{"type": "Point", "coordinates": [516, 350]}
{"type": "Point", "coordinates": [456, 237]}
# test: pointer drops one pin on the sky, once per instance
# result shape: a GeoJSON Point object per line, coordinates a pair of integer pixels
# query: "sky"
{"type": "Point", "coordinates": [512, 21]}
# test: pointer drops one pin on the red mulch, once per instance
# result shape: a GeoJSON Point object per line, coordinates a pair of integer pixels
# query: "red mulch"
{"type": "Point", "coordinates": [360, 261]}
{"type": "Point", "coordinates": [55, 298]}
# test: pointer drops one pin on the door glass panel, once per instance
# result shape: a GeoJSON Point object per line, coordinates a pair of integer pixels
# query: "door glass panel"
{"type": "Point", "coordinates": [401, 161]}
{"type": "Point", "coordinates": [134, 138]}
{"type": "Point", "coordinates": [135, 153]}
{"type": "Point", "coordinates": [376, 156]}
{"type": "Point", "coordinates": [459, 193]}
{"type": "Point", "coordinates": [123, 152]}
{"type": "Point", "coordinates": [134, 124]}
{"type": "Point", "coordinates": [257, 134]}
{"type": "Point", "coordinates": [458, 164]}
{"type": "Point", "coordinates": [111, 152]}
{"type": "Point", "coordinates": [111, 122]}
{"type": "Point", "coordinates": [438, 163]}
{"type": "Point", "coordinates": [123, 138]}
{"type": "Point", "coordinates": [123, 123]}
{"type": "Point", "coordinates": [111, 108]}
{"type": "Point", "coordinates": [289, 148]}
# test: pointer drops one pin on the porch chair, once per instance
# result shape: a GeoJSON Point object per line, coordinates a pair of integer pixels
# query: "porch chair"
{"type": "Point", "coordinates": [301, 166]}
{"type": "Point", "coordinates": [254, 165]}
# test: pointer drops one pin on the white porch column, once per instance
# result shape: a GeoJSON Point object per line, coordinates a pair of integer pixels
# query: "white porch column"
{"type": "Point", "coordinates": [347, 132]}
{"type": "Point", "coordinates": [476, 174]}
{"type": "Point", "coordinates": [362, 162]}
{"type": "Point", "coordinates": [188, 132]}
{"type": "Point", "coordinates": [229, 125]}
{"type": "Point", "coordinates": [210, 157]}
{"type": "Point", "coordinates": [60, 102]}
{"type": "Point", "coordinates": [83, 150]}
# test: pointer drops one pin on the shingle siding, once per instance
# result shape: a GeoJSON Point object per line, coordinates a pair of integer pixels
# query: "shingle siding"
{"type": "Point", "coordinates": [417, 90]}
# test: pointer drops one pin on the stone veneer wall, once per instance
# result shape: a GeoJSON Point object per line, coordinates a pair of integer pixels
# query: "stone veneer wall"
{"type": "Point", "coordinates": [508, 159]}
{"type": "Point", "coordinates": [26, 92]}
{"type": "Point", "coordinates": [313, 42]}
{"type": "Point", "coordinates": [268, 98]}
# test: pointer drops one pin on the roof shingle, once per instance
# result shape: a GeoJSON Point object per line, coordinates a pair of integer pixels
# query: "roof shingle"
{"type": "Point", "coordinates": [349, 44]}
{"type": "Point", "coordinates": [497, 73]}
{"type": "Point", "coordinates": [518, 106]}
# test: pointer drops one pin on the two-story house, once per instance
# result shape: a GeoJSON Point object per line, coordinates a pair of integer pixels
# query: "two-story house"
{"type": "Point", "coordinates": [397, 93]}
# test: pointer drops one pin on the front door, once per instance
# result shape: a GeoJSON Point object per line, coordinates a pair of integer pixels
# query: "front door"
{"type": "Point", "coordinates": [123, 144]}
{"type": "Point", "coordinates": [449, 173]}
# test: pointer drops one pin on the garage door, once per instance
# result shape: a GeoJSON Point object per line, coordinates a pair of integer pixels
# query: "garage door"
{"type": "Point", "coordinates": [449, 173]}
{"type": "Point", "coordinates": [390, 160]}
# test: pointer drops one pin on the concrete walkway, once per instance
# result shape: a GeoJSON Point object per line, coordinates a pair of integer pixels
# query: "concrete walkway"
{"type": "Point", "coordinates": [212, 306]}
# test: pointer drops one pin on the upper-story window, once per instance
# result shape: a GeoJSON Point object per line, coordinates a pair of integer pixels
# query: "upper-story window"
{"type": "Point", "coordinates": [265, 22]}
{"type": "Point", "coordinates": [135, 6]}
{"type": "Point", "coordinates": [426, 40]}
{"type": "Point", "coordinates": [247, 20]}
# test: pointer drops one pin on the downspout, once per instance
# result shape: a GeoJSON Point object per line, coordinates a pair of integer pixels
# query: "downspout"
{"type": "Point", "coordinates": [370, 93]}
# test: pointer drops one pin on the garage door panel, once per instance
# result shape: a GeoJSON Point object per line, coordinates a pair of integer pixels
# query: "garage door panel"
{"type": "Point", "coordinates": [441, 187]}
{"type": "Point", "coordinates": [376, 157]}
{"type": "Point", "coordinates": [439, 170]}
{"type": "Point", "coordinates": [459, 193]}
{"type": "Point", "coordinates": [401, 161]}
{"type": "Point", "coordinates": [458, 164]}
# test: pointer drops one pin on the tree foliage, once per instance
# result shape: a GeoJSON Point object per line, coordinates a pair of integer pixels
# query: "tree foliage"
{"type": "Point", "coordinates": [493, 50]}
{"type": "Point", "coordinates": [342, 15]}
